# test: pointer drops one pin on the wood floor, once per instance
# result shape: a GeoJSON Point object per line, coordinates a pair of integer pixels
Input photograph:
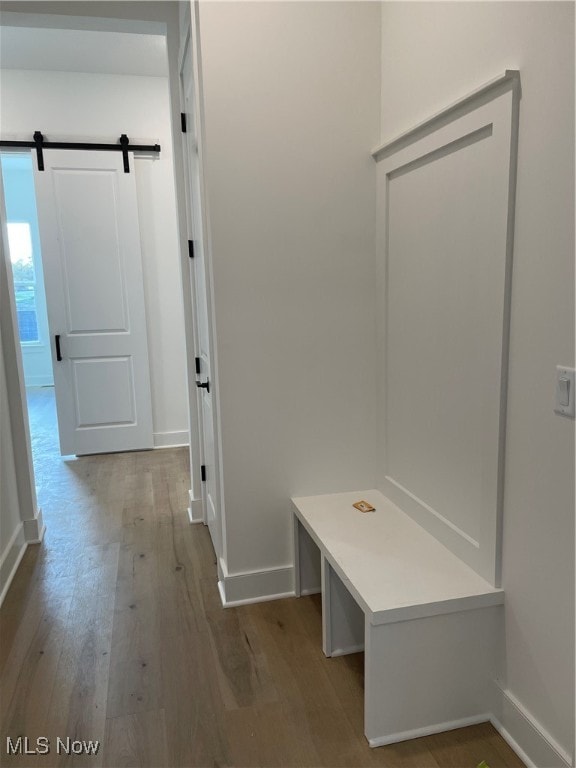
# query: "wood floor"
{"type": "Point", "coordinates": [113, 631]}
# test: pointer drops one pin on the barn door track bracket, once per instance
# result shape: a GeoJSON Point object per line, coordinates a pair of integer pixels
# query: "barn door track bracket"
{"type": "Point", "coordinates": [39, 143]}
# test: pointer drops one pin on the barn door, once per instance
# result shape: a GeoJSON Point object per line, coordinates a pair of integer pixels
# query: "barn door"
{"type": "Point", "coordinates": [90, 239]}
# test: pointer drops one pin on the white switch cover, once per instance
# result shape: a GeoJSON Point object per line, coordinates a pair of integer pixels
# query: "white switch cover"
{"type": "Point", "coordinates": [564, 391]}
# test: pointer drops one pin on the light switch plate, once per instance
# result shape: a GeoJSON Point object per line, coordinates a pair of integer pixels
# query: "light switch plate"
{"type": "Point", "coordinates": [564, 391]}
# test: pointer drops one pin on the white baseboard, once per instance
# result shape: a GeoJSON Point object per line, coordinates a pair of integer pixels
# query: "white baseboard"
{"type": "Point", "coordinates": [26, 532]}
{"type": "Point", "coordinates": [195, 510]}
{"type": "Point", "coordinates": [34, 529]}
{"type": "Point", "coordinates": [527, 737]}
{"type": "Point", "coordinates": [10, 559]}
{"type": "Point", "coordinates": [171, 439]}
{"type": "Point", "coordinates": [254, 586]}
{"type": "Point", "coordinates": [347, 651]}
{"type": "Point", "coordinates": [308, 592]}
{"type": "Point", "coordinates": [428, 730]}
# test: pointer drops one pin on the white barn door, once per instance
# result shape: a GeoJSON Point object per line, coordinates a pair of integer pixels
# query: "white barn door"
{"type": "Point", "coordinates": [90, 239]}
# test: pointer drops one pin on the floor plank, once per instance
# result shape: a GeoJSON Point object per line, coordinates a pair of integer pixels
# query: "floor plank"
{"type": "Point", "coordinates": [136, 740]}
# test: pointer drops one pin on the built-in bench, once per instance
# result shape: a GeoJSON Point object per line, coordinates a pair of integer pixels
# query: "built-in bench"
{"type": "Point", "coordinates": [413, 582]}
{"type": "Point", "coordinates": [429, 624]}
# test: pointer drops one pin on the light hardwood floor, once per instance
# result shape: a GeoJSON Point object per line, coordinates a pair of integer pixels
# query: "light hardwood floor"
{"type": "Point", "coordinates": [113, 631]}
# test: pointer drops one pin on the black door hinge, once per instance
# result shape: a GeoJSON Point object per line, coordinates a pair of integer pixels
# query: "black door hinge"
{"type": "Point", "coordinates": [203, 473]}
{"type": "Point", "coordinates": [197, 361]}
{"type": "Point", "coordinates": [191, 248]}
{"type": "Point", "coordinates": [183, 121]}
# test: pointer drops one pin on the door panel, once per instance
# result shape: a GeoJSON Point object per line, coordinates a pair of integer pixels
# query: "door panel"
{"type": "Point", "coordinates": [91, 254]}
{"type": "Point", "coordinates": [92, 378]}
{"type": "Point", "coordinates": [90, 239]}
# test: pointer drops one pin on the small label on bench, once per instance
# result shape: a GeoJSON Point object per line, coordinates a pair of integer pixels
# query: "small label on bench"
{"type": "Point", "coordinates": [364, 506]}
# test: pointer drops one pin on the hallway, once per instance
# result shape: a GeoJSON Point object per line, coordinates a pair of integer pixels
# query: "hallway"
{"type": "Point", "coordinates": [113, 631]}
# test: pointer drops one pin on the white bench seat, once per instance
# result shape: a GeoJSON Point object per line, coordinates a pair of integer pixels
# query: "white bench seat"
{"type": "Point", "coordinates": [430, 626]}
{"type": "Point", "coordinates": [394, 568]}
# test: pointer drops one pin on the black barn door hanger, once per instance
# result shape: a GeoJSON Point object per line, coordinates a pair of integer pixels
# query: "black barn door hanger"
{"type": "Point", "coordinates": [39, 144]}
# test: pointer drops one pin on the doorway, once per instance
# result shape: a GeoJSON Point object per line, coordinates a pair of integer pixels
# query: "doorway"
{"type": "Point", "coordinates": [68, 100]}
{"type": "Point", "coordinates": [106, 104]}
{"type": "Point", "coordinates": [28, 275]}
{"type": "Point", "coordinates": [30, 299]}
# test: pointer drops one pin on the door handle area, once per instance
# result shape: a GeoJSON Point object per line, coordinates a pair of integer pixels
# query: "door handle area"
{"type": "Point", "coordinates": [204, 385]}
{"type": "Point", "coordinates": [58, 350]}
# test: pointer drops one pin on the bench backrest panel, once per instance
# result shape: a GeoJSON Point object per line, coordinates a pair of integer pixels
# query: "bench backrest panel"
{"type": "Point", "coordinates": [445, 210]}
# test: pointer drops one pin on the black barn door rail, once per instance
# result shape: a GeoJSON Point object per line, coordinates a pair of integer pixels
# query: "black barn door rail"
{"type": "Point", "coordinates": [39, 143]}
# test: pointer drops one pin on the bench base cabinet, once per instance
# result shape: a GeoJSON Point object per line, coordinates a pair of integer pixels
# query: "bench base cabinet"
{"type": "Point", "coordinates": [428, 666]}
{"type": "Point", "coordinates": [429, 675]}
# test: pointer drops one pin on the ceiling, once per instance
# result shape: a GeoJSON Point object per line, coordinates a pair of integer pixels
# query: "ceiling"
{"type": "Point", "coordinates": [79, 50]}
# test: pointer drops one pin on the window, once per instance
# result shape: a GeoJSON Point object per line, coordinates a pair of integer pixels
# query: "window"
{"type": "Point", "coordinates": [20, 246]}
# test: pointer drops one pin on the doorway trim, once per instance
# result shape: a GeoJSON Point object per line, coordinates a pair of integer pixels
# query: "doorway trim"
{"type": "Point", "coordinates": [31, 528]}
{"type": "Point", "coordinates": [190, 45]}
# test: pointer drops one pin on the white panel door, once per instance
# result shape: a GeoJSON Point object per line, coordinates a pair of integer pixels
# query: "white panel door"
{"type": "Point", "coordinates": [201, 302]}
{"type": "Point", "coordinates": [90, 238]}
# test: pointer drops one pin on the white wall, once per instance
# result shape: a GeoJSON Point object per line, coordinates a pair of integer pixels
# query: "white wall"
{"type": "Point", "coordinates": [79, 105]}
{"type": "Point", "coordinates": [292, 100]}
{"type": "Point", "coordinates": [433, 53]}
{"type": "Point", "coordinates": [11, 536]}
